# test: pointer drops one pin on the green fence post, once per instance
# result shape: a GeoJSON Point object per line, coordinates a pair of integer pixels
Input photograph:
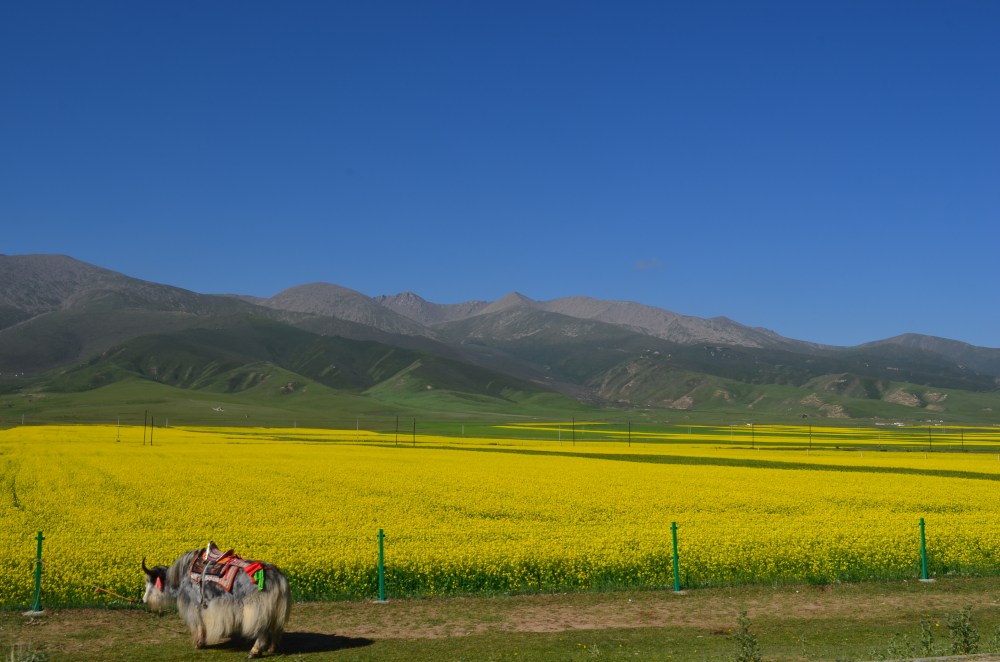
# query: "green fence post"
{"type": "Point", "coordinates": [923, 554]}
{"type": "Point", "coordinates": [381, 566]}
{"type": "Point", "coordinates": [36, 607]}
{"type": "Point", "coordinates": [677, 570]}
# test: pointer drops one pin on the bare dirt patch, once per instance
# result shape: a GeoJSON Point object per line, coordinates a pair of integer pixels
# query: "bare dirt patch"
{"type": "Point", "coordinates": [330, 628]}
{"type": "Point", "coordinates": [901, 397]}
{"type": "Point", "coordinates": [709, 609]}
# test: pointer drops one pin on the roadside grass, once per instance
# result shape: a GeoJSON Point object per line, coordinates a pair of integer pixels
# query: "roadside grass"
{"type": "Point", "coordinates": [866, 621]}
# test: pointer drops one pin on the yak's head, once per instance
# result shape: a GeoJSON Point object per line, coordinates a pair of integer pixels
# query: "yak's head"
{"type": "Point", "coordinates": [156, 597]}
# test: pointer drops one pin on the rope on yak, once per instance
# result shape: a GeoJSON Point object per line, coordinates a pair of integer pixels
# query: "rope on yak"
{"type": "Point", "coordinates": [101, 589]}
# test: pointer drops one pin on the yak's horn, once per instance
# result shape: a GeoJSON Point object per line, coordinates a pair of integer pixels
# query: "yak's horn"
{"type": "Point", "coordinates": [144, 568]}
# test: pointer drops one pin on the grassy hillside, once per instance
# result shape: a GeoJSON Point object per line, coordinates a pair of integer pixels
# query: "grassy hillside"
{"type": "Point", "coordinates": [96, 330]}
{"type": "Point", "coordinates": [257, 371]}
{"type": "Point", "coordinates": [271, 404]}
{"type": "Point", "coordinates": [284, 398]}
{"type": "Point", "coordinates": [226, 359]}
{"type": "Point", "coordinates": [265, 373]}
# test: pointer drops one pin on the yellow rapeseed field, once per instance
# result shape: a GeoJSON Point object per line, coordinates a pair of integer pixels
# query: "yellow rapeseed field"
{"type": "Point", "coordinates": [467, 515]}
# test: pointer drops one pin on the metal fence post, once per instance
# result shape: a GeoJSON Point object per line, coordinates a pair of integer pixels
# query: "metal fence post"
{"type": "Point", "coordinates": [36, 607]}
{"type": "Point", "coordinates": [381, 566]}
{"type": "Point", "coordinates": [677, 570]}
{"type": "Point", "coordinates": [923, 554]}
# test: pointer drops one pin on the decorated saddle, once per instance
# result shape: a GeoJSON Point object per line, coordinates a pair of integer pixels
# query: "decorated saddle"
{"type": "Point", "coordinates": [214, 565]}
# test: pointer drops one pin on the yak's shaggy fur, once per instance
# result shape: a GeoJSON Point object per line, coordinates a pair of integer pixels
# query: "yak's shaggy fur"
{"type": "Point", "coordinates": [213, 614]}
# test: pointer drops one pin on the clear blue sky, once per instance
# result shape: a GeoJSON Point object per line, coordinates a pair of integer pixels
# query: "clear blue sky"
{"type": "Point", "coordinates": [829, 170]}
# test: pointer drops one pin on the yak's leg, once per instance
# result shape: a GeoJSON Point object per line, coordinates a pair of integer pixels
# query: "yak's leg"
{"type": "Point", "coordinates": [258, 646]}
{"type": "Point", "coordinates": [199, 635]}
{"type": "Point", "coordinates": [275, 640]}
{"type": "Point", "coordinates": [265, 641]}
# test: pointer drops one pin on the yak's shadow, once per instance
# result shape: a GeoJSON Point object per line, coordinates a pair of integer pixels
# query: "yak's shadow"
{"type": "Point", "coordinates": [298, 643]}
{"type": "Point", "coordinates": [319, 642]}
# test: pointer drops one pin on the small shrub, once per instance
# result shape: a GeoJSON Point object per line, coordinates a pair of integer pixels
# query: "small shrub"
{"type": "Point", "coordinates": [964, 635]}
{"type": "Point", "coordinates": [23, 653]}
{"type": "Point", "coordinates": [926, 638]}
{"type": "Point", "coordinates": [900, 647]}
{"type": "Point", "coordinates": [747, 647]}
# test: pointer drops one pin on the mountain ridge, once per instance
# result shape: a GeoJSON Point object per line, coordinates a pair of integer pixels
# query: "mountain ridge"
{"type": "Point", "coordinates": [654, 321]}
{"type": "Point", "coordinates": [57, 312]}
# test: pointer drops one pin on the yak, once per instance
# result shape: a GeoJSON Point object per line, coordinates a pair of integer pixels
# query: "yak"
{"type": "Point", "coordinates": [221, 595]}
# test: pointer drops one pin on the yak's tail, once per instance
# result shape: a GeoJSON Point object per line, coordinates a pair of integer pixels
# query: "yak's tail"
{"type": "Point", "coordinates": [259, 616]}
{"type": "Point", "coordinates": [266, 612]}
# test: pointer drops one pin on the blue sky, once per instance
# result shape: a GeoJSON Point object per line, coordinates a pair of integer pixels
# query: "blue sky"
{"type": "Point", "coordinates": [828, 170]}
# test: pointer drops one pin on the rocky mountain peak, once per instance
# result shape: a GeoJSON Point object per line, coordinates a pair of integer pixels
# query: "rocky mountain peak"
{"type": "Point", "coordinates": [510, 300]}
{"type": "Point", "coordinates": [329, 300]}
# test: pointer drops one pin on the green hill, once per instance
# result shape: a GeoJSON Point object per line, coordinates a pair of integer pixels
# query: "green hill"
{"type": "Point", "coordinates": [74, 336]}
{"type": "Point", "coordinates": [273, 370]}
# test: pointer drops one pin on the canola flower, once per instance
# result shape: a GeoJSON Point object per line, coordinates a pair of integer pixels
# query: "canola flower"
{"type": "Point", "coordinates": [478, 514]}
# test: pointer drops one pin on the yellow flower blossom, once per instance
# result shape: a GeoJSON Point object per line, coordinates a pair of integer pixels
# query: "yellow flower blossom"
{"type": "Point", "coordinates": [464, 515]}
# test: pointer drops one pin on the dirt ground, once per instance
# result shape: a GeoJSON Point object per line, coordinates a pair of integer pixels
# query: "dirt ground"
{"type": "Point", "coordinates": [85, 633]}
{"type": "Point", "coordinates": [711, 611]}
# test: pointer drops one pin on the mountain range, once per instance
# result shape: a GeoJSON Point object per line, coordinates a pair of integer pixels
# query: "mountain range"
{"type": "Point", "coordinates": [71, 327]}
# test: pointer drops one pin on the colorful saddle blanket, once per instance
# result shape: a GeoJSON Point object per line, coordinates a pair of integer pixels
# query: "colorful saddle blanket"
{"type": "Point", "coordinates": [214, 565]}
